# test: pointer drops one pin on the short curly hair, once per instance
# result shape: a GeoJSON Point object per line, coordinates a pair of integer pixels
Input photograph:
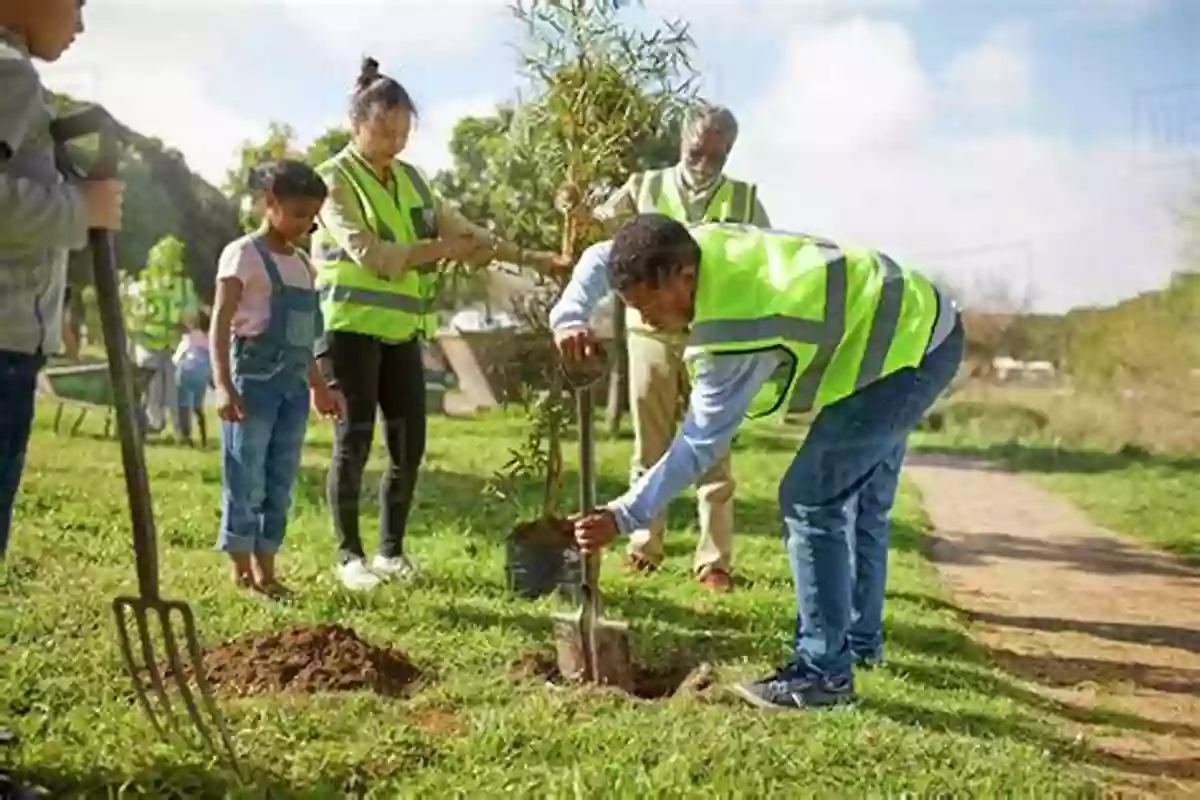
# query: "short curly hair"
{"type": "Point", "coordinates": [648, 250]}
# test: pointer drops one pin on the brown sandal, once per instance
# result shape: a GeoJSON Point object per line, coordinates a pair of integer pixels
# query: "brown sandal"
{"type": "Point", "coordinates": [637, 563]}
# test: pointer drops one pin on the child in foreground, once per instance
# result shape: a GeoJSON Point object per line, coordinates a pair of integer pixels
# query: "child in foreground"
{"type": "Point", "coordinates": [265, 326]}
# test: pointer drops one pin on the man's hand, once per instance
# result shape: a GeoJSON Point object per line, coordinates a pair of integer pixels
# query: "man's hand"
{"type": "Point", "coordinates": [594, 531]}
{"type": "Point", "coordinates": [578, 347]}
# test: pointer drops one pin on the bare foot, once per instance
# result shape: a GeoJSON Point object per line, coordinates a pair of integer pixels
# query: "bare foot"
{"type": "Point", "coordinates": [264, 577]}
{"type": "Point", "coordinates": [274, 589]}
{"type": "Point", "coordinates": [243, 570]}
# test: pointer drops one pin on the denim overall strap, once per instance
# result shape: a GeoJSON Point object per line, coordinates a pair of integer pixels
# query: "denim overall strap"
{"type": "Point", "coordinates": [286, 343]}
{"type": "Point", "coordinates": [268, 261]}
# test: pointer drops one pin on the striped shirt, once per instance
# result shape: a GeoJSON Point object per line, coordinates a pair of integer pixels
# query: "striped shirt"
{"type": "Point", "coordinates": [41, 217]}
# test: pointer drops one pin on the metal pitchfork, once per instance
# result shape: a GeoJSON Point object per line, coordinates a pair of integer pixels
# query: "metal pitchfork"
{"type": "Point", "coordinates": [95, 120]}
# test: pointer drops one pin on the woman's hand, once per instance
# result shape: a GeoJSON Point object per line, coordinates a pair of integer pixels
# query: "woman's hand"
{"type": "Point", "coordinates": [329, 403]}
{"type": "Point", "coordinates": [548, 262]}
{"type": "Point", "coordinates": [229, 404]}
{"type": "Point", "coordinates": [460, 248]}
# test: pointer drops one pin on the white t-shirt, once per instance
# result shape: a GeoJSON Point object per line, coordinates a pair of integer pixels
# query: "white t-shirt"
{"type": "Point", "coordinates": [240, 259]}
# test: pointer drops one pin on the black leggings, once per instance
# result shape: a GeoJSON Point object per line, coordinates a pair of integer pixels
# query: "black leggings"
{"type": "Point", "coordinates": [370, 373]}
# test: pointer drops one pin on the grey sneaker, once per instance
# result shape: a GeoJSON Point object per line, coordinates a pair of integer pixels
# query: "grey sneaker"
{"type": "Point", "coordinates": [791, 690]}
{"type": "Point", "coordinates": [400, 567]}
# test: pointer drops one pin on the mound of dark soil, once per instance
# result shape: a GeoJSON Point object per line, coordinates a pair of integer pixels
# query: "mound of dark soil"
{"type": "Point", "coordinates": [306, 659]}
{"type": "Point", "coordinates": [681, 678]}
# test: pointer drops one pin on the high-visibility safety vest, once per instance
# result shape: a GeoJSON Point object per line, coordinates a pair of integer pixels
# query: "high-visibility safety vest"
{"type": "Point", "coordinates": [733, 201]}
{"type": "Point", "coordinates": [159, 310]}
{"type": "Point", "coordinates": [847, 316]}
{"type": "Point", "coordinates": [357, 299]}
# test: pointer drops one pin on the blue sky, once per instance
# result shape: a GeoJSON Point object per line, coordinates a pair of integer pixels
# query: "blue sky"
{"type": "Point", "coordinates": [994, 142]}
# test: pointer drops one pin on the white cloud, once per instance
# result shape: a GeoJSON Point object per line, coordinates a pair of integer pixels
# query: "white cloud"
{"type": "Point", "coordinates": [1082, 225]}
{"type": "Point", "coordinates": [155, 81]}
{"type": "Point", "coordinates": [343, 32]}
{"type": "Point", "coordinates": [161, 68]}
{"type": "Point", "coordinates": [996, 76]}
{"type": "Point", "coordinates": [877, 99]}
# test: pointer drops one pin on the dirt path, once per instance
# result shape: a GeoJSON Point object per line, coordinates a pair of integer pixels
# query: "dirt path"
{"type": "Point", "coordinates": [1085, 617]}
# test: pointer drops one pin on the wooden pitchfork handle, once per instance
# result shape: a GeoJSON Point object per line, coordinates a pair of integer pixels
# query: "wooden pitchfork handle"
{"type": "Point", "coordinates": [95, 120]}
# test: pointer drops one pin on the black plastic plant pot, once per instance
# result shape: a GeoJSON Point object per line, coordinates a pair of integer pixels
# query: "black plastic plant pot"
{"type": "Point", "coordinates": [535, 569]}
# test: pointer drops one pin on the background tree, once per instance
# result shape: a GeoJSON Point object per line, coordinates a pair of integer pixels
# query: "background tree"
{"type": "Point", "coordinates": [279, 142]}
{"type": "Point", "coordinates": [604, 94]}
{"type": "Point", "coordinates": [163, 197]}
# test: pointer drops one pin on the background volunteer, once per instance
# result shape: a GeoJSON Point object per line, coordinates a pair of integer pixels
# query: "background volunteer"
{"type": "Point", "coordinates": [163, 302]}
{"type": "Point", "coordinates": [695, 190]}
{"type": "Point", "coordinates": [379, 239]}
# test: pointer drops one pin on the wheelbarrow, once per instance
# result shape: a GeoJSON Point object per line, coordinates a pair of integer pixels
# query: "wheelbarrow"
{"type": "Point", "coordinates": [87, 388]}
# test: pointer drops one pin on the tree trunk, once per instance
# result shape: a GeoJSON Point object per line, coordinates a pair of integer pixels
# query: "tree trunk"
{"type": "Point", "coordinates": [618, 376]}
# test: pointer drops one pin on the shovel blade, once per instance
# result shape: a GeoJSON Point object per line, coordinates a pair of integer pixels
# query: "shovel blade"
{"type": "Point", "coordinates": [613, 667]}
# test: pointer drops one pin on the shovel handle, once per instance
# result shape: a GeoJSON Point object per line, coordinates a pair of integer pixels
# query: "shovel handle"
{"type": "Point", "coordinates": [584, 404]}
{"type": "Point", "coordinates": [95, 120]}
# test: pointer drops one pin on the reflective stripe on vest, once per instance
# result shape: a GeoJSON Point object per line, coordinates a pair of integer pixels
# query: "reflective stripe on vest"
{"type": "Point", "coordinates": [903, 310]}
{"type": "Point", "coordinates": [733, 201]}
{"type": "Point", "coordinates": [356, 299]}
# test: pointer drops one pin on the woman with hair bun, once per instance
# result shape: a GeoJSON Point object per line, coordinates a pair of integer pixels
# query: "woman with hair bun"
{"type": "Point", "coordinates": [380, 237]}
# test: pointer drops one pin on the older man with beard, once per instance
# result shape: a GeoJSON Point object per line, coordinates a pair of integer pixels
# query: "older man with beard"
{"type": "Point", "coordinates": [693, 191]}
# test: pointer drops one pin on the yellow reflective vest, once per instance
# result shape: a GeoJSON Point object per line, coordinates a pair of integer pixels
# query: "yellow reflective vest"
{"type": "Point", "coordinates": [733, 201]}
{"type": "Point", "coordinates": [355, 298]}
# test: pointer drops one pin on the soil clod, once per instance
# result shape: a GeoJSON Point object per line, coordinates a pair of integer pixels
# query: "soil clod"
{"type": "Point", "coordinates": [550, 532]}
{"type": "Point", "coordinates": [681, 677]}
{"type": "Point", "coordinates": [306, 660]}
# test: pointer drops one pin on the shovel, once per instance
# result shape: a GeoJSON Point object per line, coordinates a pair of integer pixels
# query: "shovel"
{"type": "Point", "coordinates": [590, 648]}
{"type": "Point", "coordinates": [149, 603]}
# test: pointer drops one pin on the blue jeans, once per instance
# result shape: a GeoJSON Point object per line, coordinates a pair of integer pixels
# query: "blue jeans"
{"type": "Point", "coordinates": [192, 378]}
{"type": "Point", "coordinates": [259, 459]}
{"type": "Point", "coordinates": [835, 499]}
{"type": "Point", "coordinates": [18, 386]}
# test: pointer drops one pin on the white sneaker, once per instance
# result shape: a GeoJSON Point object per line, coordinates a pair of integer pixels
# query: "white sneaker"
{"type": "Point", "coordinates": [357, 577]}
{"type": "Point", "coordinates": [399, 567]}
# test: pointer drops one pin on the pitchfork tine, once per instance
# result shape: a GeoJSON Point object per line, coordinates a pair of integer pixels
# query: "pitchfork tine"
{"type": "Point", "coordinates": [206, 693]}
{"type": "Point", "coordinates": [156, 681]}
{"type": "Point", "coordinates": [180, 676]}
{"type": "Point", "coordinates": [139, 689]}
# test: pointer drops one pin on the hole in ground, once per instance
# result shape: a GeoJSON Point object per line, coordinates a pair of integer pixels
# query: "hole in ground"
{"type": "Point", "coordinates": [681, 677]}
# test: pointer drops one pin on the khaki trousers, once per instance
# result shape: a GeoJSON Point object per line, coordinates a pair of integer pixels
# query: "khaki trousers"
{"type": "Point", "coordinates": [658, 386]}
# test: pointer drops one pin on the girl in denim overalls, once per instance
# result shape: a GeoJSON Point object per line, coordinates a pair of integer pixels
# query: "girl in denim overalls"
{"type": "Point", "coordinates": [266, 306]}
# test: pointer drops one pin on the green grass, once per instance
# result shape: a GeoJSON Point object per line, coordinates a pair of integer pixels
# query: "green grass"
{"type": "Point", "coordinates": [938, 720]}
